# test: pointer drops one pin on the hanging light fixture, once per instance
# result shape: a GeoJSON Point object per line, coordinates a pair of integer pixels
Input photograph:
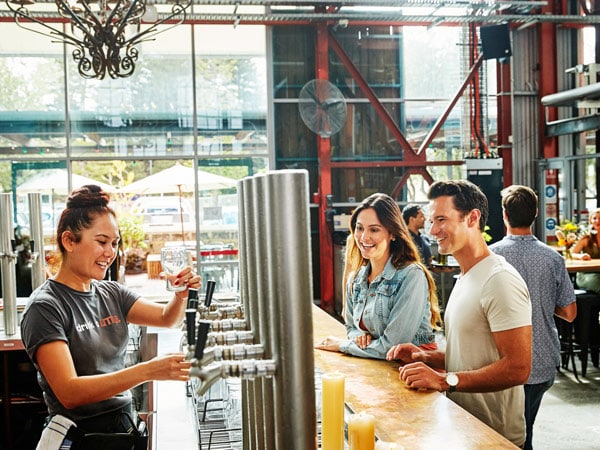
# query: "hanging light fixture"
{"type": "Point", "coordinates": [104, 32]}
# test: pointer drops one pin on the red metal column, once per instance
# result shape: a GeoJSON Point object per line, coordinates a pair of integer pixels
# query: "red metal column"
{"type": "Point", "coordinates": [504, 121]}
{"type": "Point", "coordinates": [548, 85]}
{"type": "Point", "coordinates": [326, 253]}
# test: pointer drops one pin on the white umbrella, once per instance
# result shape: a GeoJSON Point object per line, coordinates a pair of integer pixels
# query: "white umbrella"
{"type": "Point", "coordinates": [56, 181]}
{"type": "Point", "coordinates": [178, 179]}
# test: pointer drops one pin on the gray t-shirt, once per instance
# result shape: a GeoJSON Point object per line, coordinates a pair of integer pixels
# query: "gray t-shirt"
{"type": "Point", "coordinates": [94, 326]}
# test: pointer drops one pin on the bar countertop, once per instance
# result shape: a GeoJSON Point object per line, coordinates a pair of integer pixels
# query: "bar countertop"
{"type": "Point", "coordinates": [413, 419]}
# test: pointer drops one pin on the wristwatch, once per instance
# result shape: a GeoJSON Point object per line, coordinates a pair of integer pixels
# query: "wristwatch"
{"type": "Point", "coordinates": [452, 381]}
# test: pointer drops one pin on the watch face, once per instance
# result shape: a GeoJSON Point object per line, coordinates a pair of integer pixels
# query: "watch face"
{"type": "Point", "coordinates": [452, 379]}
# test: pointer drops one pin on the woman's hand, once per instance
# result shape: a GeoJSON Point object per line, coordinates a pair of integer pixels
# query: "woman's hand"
{"type": "Point", "coordinates": [331, 344]}
{"type": "Point", "coordinates": [187, 278]}
{"type": "Point", "coordinates": [363, 341]}
{"type": "Point", "coordinates": [172, 367]}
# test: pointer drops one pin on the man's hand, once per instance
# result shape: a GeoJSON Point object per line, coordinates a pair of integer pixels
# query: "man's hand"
{"type": "Point", "coordinates": [405, 353]}
{"type": "Point", "coordinates": [420, 376]}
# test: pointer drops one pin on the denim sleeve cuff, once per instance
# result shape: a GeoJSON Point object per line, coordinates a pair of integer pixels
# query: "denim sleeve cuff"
{"type": "Point", "coordinates": [344, 346]}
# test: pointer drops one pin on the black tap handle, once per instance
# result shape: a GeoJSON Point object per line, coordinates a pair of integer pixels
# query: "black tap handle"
{"type": "Point", "coordinates": [13, 245]}
{"type": "Point", "coordinates": [210, 289]}
{"type": "Point", "coordinates": [190, 322]}
{"type": "Point", "coordinates": [32, 246]}
{"type": "Point", "coordinates": [203, 329]}
{"type": "Point", "coordinates": [192, 298]}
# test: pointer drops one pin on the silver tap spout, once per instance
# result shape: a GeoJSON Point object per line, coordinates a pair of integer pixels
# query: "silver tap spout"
{"type": "Point", "coordinates": [246, 369]}
{"type": "Point", "coordinates": [208, 375]}
{"type": "Point", "coordinates": [228, 325]}
{"type": "Point", "coordinates": [230, 338]}
{"type": "Point", "coordinates": [11, 256]}
{"type": "Point", "coordinates": [224, 312]}
{"type": "Point", "coordinates": [232, 352]}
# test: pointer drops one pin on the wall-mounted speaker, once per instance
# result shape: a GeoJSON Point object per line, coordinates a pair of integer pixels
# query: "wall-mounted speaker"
{"type": "Point", "coordinates": [495, 41]}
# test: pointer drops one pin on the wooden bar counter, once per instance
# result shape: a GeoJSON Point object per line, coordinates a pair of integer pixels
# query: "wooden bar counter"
{"type": "Point", "coordinates": [413, 419]}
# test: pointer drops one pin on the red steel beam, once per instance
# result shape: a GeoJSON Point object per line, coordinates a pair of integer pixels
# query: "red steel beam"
{"type": "Point", "coordinates": [326, 253]}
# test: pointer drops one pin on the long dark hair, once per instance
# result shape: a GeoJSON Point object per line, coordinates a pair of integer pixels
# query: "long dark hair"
{"type": "Point", "coordinates": [83, 206]}
{"type": "Point", "coordinates": [403, 250]}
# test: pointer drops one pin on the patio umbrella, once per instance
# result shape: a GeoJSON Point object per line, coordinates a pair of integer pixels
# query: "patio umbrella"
{"type": "Point", "coordinates": [178, 179]}
{"type": "Point", "coordinates": [56, 181]}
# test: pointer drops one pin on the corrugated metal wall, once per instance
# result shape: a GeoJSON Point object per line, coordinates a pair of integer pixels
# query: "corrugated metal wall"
{"type": "Point", "coordinates": [525, 116]}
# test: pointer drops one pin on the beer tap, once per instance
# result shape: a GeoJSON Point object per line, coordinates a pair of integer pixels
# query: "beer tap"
{"type": "Point", "coordinates": [210, 289]}
{"type": "Point", "coordinates": [230, 338]}
{"type": "Point", "coordinates": [221, 312]}
{"type": "Point", "coordinates": [11, 255]}
{"type": "Point", "coordinates": [33, 255]}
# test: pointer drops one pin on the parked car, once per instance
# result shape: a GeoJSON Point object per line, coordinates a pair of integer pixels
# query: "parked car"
{"type": "Point", "coordinates": [165, 214]}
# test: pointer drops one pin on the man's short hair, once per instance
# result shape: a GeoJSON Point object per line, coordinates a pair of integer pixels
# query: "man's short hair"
{"type": "Point", "coordinates": [466, 196]}
{"type": "Point", "coordinates": [410, 211]}
{"type": "Point", "coordinates": [520, 204]}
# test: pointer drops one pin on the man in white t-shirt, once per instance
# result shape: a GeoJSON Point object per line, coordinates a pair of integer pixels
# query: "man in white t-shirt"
{"type": "Point", "coordinates": [488, 319]}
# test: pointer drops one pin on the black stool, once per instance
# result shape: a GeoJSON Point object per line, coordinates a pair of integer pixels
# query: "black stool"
{"type": "Point", "coordinates": [568, 347]}
{"type": "Point", "coordinates": [587, 327]}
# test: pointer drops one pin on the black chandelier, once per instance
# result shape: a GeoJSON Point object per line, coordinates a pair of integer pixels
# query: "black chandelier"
{"type": "Point", "coordinates": [103, 32]}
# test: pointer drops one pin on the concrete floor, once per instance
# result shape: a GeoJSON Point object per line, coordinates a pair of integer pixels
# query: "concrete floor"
{"type": "Point", "coordinates": [569, 417]}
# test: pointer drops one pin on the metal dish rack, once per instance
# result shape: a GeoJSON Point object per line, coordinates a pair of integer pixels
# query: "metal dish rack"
{"type": "Point", "coordinates": [218, 415]}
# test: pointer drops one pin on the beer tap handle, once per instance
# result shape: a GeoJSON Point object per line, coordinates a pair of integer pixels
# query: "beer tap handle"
{"type": "Point", "coordinates": [203, 328]}
{"type": "Point", "coordinates": [32, 246]}
{"type": "Point", "coordinates": [210, 289]}
{"type": "Point", "coordinates": [192, 298]}
{"type": "Point", "coordinates": [190, 322]}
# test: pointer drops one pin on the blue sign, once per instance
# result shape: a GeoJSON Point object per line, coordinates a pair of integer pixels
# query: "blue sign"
{"type": "Point", "coordinates": [550, 191]}
{"type": "Point", "coordinates": [551, 223]}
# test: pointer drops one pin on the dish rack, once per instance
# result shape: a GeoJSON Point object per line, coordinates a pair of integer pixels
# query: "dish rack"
{"type": "Point", "coordinates": [218, 414]}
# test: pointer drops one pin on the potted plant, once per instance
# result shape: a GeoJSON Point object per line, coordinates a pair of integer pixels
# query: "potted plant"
{"type": "Point", "coordinates": [135, 249]}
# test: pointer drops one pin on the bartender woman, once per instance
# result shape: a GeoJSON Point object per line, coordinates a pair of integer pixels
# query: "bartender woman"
{"type": "Point", "coordinates": [75, 326]}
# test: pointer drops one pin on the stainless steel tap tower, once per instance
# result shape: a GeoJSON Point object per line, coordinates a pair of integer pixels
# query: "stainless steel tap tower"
{"type": "Point", "coordinates": [8, 260]}
{"type": "Point", "coordinates": [8, 256]}
{"type": "Point", "coordinates": [38, 263]}
{"type": "Point", "coordinates": [277, 367]}
{"type": "Point", "coordinates": [276, 288]}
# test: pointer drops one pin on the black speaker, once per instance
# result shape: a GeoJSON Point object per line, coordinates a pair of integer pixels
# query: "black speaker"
{"type": "Point", "coordinates": [495, 41]}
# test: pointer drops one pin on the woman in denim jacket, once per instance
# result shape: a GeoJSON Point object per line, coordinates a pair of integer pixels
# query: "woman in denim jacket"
{"type": "Point", "coordinates": [392, 298]}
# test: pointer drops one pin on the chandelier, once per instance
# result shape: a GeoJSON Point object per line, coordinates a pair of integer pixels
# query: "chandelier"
{"type": "Point", "coordinates": [104, 32]}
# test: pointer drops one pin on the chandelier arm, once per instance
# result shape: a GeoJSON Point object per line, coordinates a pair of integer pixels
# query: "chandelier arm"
{"type": "Point", "coordinates": [78, 21]}
{"type": "Point", "coordinates": [149, 33]}
{"type": "Point", "coordinates": [127, 18]}
{"type": "Point", "coordinates": [54, 33]}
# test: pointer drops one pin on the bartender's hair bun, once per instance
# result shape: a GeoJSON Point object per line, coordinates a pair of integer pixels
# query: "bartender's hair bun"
{"type": "Point", "coordinates": [83, 206]}
{"type": "Point", "coordinates": [88, 196]}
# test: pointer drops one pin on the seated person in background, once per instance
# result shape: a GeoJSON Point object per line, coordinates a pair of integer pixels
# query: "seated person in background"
{"type": "Point", "coordinates": [588, 247]}
{"type": "Point", "coordinates": [392, 298]}
{"type": "Point", "coordinates": [415, 221]}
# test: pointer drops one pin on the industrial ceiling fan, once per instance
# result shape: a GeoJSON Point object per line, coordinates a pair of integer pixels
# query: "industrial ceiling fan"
{"type": "Point", "coordinates": [322, 107]}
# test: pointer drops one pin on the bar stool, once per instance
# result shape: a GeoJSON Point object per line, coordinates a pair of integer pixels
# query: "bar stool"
{"type": "Point", "coordinates": [568, 347]}
{"type": "Point", "coordinates": [587, 327]}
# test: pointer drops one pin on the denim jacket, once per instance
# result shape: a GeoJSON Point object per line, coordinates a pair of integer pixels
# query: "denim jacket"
{"type": "Point", "coordinates": [394, 309]}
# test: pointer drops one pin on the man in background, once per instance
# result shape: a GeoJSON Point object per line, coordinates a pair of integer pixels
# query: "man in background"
{"type": "Point", "coordinates": [550, 289]}
{"type": "Point", "coordinates": [415, 221]}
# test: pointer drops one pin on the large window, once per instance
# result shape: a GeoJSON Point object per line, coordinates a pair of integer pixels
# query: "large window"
{"type": "Point", "coordinates": [205, 109]}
